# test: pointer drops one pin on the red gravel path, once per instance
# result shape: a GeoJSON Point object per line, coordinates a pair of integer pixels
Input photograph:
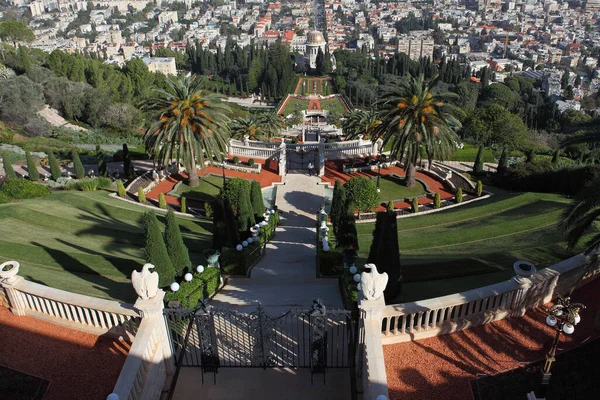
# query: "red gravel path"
{"type": "Point", "coordinates": [314, 104]}
{"type": "Point", "coordinates": [78, 365]}
{"type": "Point", "coordinates": [265, 178]}
{"type": "Point", "coordinates": [333, 172]}
{"type": "Point", "coordinates": [442, 367]}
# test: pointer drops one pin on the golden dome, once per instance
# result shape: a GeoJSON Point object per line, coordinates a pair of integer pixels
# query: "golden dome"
{"type": "Point", "coordinates": [315, 38]}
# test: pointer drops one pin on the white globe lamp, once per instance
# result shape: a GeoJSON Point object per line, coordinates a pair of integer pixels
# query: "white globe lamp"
{"type": "Point", "coordinates": [568, 329]}
{"type": "Point", "coordinates": [551, 320]}
{"type": "Point", "coordinates": [188, 277]}
{"type": "Point", "coordinates": [250, 240]}
{"type": "Point", "coordinates": [577, 319]}
{"type": "Point", "coordinates": [200, 269]}
{"type": "Point", "coordinates": [174, 286]}
{"type": "Point", "coordinates": [239, 247]}
{"type": "Point", "coordinates": [353, 270]}
{"type": "Point", "coordinates": [356, 277]}
{"type": "Point", "coordinates": [245, 243]}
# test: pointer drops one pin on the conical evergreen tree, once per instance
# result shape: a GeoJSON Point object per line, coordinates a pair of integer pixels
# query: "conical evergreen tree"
{"type": "Point", "coordinates": [54, 167]}
{"type": "Point", "coordinates": [232, 227]}
{"type": "Point", "coordinates": [385, 253]}
{"type": "Point", "coordinates": [338, 204]}
{"type": "Point", "coordinates": [347, 237]}
{"type": "Point", "coordinates": [175, 247]}
{"type": "Point", "coordinates": [221, 237]}
{"type": "Point", "coordinates": [245, 214]}
{"type": "Point", "coordinates": [258, 204]}
{"type": "Point", "coordinates": [503, 161]}
{"type": "Point", "coordinates": [155, 250]}
{"type": "Point", "coordinates": [478, 166]}
{"type": "Point", "coordinates": [77, 165]}
{"type": "Point", "coordinates": [555, 156]}
{"type": "Point", "coordinates": [34, 175]}
{"type": "Point", "coordinates": [9, 172]}
{"type": "Point", "coordinates": [127, 165]}
{"type": "Point", "coordinates": [102, 166]}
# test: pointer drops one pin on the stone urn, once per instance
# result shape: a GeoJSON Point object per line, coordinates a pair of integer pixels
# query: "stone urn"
{"type": "Point", "coordinates": [524, 268]}
{"type": "Point", "coordinates": [254, 230]}
{"type": "Point", "coordinates": [9, 270]}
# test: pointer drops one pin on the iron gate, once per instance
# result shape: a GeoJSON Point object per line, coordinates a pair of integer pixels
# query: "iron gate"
{"type": "Point", "coordinates": [298, 159]}
{"type": "Point", "coordinates": [211, 338]}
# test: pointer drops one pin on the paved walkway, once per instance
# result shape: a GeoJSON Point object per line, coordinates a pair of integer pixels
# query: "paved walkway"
{"type": "Point", "coordinates": [286, 276]}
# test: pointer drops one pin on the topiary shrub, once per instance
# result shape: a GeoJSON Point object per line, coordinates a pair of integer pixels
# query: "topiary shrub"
{"type": "Point", "coordinates": [9, 172]}
{"type": "Point", "coordinates": [236, 160]}
{"type": "Point", "coordinates": [415, 205]}
{"type": "Point", "coordinates": [121, 189]}
{"type": "Point", "coordinates": [208, 210]}
{"type": "Point", "coordinates": [77, 165]}
{"type": "Point", "coordinates": [459, 195]}
{"type": "Point", "coordinates": [437, 200]}
{"type": "Point", "coordinates": [183, 205]}
{"type": "Point", "coordinates": [4, 198]}
{"type": "Point", "coordinates": [141, 195]}
{"type": "Point", "coordinates": [478, 165]}
{"type": "Point", "coordinates": [363, 192]}
{"type": "Point", "coordinates": [231, 191]}
{"type": "Point", "coordinates": [90, 185]}
{"type": "Point", "coordinates": [54, 167]}
{"type": "Point", "coordinates": [479, 188]}
{"type": "Point", "coordinates": [162, 203]}
{"type": "Point", "coordinates": [34, 175]}
{"type": "Point", "coordinates": [251, 162]}
{"type": "Point", "coordinates": [256, 200]}
{"type": "Point", "coordinates": [20, 189]}
{"type": "Point", "coordinates": [155, 251]}
{"type": "Point", "coordinates": [390, 206]}
{"type": "Point", "coordinates": [177, 250]}
{"type": "Point", "coordinates": [102, 166]}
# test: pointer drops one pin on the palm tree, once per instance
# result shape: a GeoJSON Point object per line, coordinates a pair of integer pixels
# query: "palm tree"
{"type": "Point", "coordinates": [264, 126]}
{"type": "Point", "coordinates": [191, 125]}
{"type": "Point", "coordinates": [416, 119]}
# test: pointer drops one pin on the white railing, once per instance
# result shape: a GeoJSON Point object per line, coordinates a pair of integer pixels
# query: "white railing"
{"type": "Point", "coordinates": [371, 362]}
{"type": "Point", "coordinates": [252, 152]}
{"type": "Point", "coordinates": [350, 152]}
{"type": "Point", "coordinates": [150, 359]}
{"type": "Point", "coordinates": [441, 315]}
{"type": "Point", "coordinates": [84, 313]}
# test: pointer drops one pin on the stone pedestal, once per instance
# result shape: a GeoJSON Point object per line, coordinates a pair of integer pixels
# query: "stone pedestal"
{"type": "Point", "coordinates": [15, 297]}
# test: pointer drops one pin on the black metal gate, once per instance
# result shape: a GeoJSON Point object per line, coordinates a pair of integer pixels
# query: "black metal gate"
{"type": "Point", "coordinates": [298, 158]}
{"type": "Point", "coordinates": [213, 338]}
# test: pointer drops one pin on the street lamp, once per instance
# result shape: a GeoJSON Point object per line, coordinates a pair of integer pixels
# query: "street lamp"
{"type": "Point", "coordinates": [563, 316]}
{"type": "Point", "coordinates": [378, 174]}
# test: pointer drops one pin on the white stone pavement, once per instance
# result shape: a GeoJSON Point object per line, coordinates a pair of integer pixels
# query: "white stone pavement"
{"type": "Point", "coordinates": [286, 276]}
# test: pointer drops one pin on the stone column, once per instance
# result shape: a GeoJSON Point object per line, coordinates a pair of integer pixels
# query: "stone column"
{"type": "Point", "coordinates": [371, 364]}
{"type": "Point", "coordinates": [15, 297]}
{"type": "Point", "coordinates": [152, 309]}
{"type": "Point", "coordinates": [282, 159]}
{"type": "Point", "coordinates": [519, 302]}
{"type": "Point", "coordinates": [322, 158]}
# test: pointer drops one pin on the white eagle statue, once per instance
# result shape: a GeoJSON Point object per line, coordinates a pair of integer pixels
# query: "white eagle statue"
{"type": "Point", "coordinates": [145, 283]}
{"type": "Point", "coordinates": [372, 283]}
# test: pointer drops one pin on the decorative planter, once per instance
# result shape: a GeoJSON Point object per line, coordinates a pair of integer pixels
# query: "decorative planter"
{"type": "Point", "coordinates": [8, 270]}
{"type": "Point", "coordinates": [254, 231]}
{"type": "Point", "coordinates": [524, 268]}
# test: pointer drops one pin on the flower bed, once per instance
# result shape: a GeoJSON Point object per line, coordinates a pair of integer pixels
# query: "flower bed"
{"type": "Point", "coordinates": [240, 166]}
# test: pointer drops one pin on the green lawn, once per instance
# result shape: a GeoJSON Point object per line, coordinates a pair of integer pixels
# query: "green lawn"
{"type": "Point", "coordinates": [84, 242]}
{"type": "Point", "coordinates": [393, 188]}
{"type": "Point", "coordinates": [475, 245]}
{"type": "Point", "coordinates": [469, 153]}
{"type": "Point", "coordinates": [335, 105]}
{"type": "Point", "coordinates": [207, 190]}
{"type": "Point", "coordinates": [295, 104]}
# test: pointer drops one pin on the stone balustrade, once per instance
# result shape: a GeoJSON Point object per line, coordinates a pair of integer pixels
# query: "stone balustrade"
{"type": "Point", "coordinates": [75, 311]}
{"type": "Point", "coordinates": [371, 362]}
{"type": "Point", "coordinates": [441, 315]}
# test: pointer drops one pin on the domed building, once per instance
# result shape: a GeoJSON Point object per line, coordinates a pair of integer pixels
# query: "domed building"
{"type": "Point", "coordinates": [314, 42]}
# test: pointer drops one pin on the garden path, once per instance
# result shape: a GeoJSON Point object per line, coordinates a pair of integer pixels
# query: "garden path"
{"type": "Point", "coordinates": [286, 276]}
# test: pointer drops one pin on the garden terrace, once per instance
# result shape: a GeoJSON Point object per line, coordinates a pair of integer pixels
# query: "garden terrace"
{"type": "Point", "coordinates": [476, 244]}
{"type": "Point", "coordinates": [84, 242]}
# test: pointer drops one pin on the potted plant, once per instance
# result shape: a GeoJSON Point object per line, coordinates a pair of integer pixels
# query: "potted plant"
{"type": "Point", "coordinates": [524, 268]}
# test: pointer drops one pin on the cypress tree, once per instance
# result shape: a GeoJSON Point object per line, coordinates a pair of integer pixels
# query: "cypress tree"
{"type": "Point", "coordinates": [175, 247]}
{"type": "Point", "coordinates": [162, 203]}
{"type": "Point", "coordinates": [102, 167]}
{"type": "Point", "coordinates": [503, 161]}
{"type": "Point", "coordinates": [121, 189]}
{"type": "Point", "coordinates": [54, 167]}
{"type": "Point", "coordinates": [77, 165]}
{"type": "Point", "coordinates": [415, 205]}
{"type": "Point", "coordinates": [127, 165]}
{"type": "Point", "coordinates": [245, 214]}
{"type": "Point", "coordinates": [347, 237]}
{"type": "Point", "coordinates": [232, 228]}
{"type": "Point", "coordinates": [141, 195]}
{"type": "Point", "coordinates": [338, 203]}
{"type": "Point", "coordinates": [9, 172]}
{"type": "Point", "coordinates": [155, 250]}
{"type": "Point", "coordinates": [437, 200]}
{"type": "Point", "coordinates": [385, 253]}
{"type": "Point", "coordinates": [390, 206]}
{"type": "Point", "coordinates": [478, 166]}
{"type": "Point", "coordinates": [479, 188]}
{"type": "Point", "coordinates": [258, 204]}
{"type": "Point", "coordinates": [183, 205]}
{"type": "Point", "coordinates": [34, 175]}
{"type": "Point", "coordinates": [459, 195]}
{"type": "Point", "coordinates": [221, 236]}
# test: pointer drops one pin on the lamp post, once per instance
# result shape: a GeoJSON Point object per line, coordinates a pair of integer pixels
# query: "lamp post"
{"type": "Point", "coordinates": [378, 174]}
{"type": "Point", "coordinates": [563, 316]}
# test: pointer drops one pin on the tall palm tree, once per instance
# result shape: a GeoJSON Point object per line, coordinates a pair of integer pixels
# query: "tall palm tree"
{"type": "Point", "coordinates": [415, 119]}
{"type": "Point", "coordinates": [248, 126]}
{"type": "Point", "coordinates": [271, 124]}
{"type": "Point", "coordinates": [191, 125]}
{"type": "Point", "coordinates": [360, 122]}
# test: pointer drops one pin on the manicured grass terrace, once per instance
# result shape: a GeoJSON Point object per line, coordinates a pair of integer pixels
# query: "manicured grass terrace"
{"type": "Point", "coordinates": [475, 245]}
{"type": "Point", "coordinates": [207, 190]}
{"type": "Point", "coordinates": [392, 188]}
{"type": "Point", "coordinates": [334, 105]}
{"type": "Point", "coordinates": [84, 242]}
{"type": "Point", "coordinates": [295, 104]}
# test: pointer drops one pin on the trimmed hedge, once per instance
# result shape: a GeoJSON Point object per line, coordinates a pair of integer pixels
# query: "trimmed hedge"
{"type": "Point", "coordinates": [236, 262]}
{"type": "Point", "coordinates": [20, 188]}
{"type": "Point", "coordinates": [202, 286]}
{"type": "Point", "coordinates": [4, 198]}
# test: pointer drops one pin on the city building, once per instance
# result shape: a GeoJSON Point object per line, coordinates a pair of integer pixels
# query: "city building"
{"type": "Point", "coordinates": [165, 65]}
